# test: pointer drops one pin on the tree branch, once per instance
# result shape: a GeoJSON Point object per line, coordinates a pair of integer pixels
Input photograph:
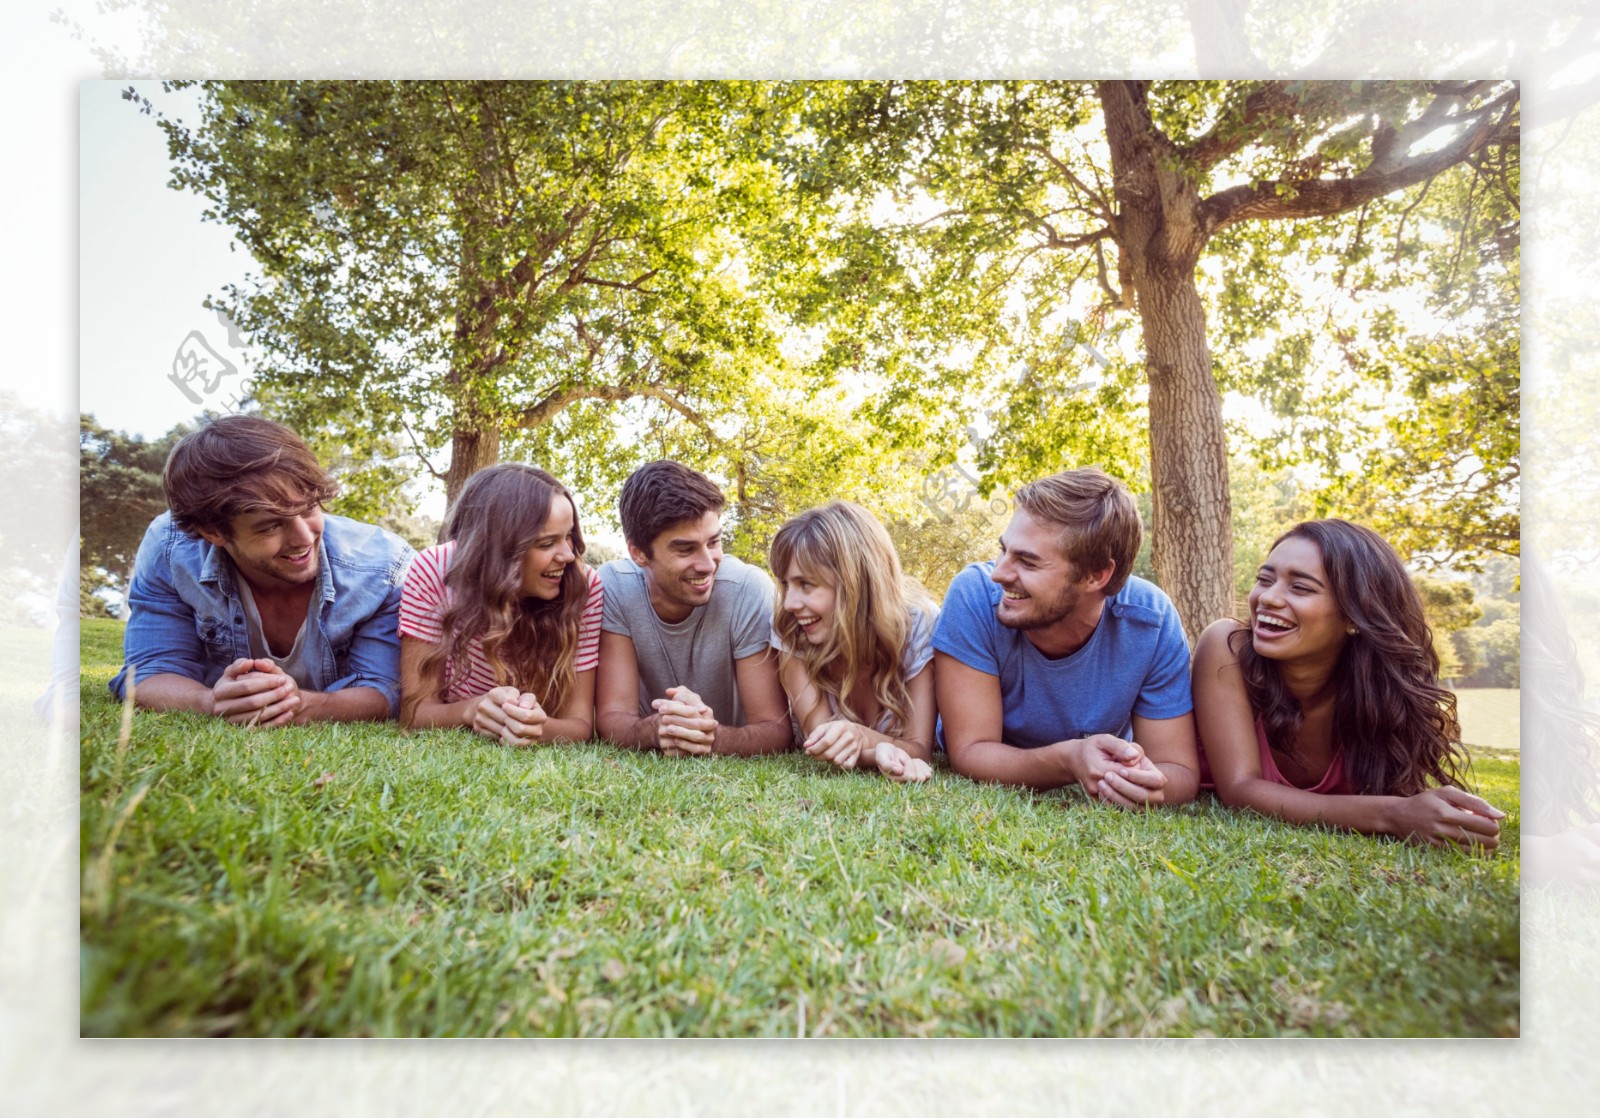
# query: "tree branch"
{"type": "Point", "coordinates": [1232, 133]}
{"type": "Point", "coordinates": [621, 285]}
{"type": "Point", "coordinates": [1279, 199]}
{"type": "Point", "coordinates": [552, 405]}
{"type": "Point", "coordinates": [1102, 207]}
{"type": "Point", "coordinates": [416, 446]}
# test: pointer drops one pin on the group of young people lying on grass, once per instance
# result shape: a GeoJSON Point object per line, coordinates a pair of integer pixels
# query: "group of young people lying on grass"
{"type": "Point", "coordinates": [1047, 666]}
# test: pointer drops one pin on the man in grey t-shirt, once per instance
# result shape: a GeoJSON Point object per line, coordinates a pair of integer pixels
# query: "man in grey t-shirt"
{"type": "Point", "coordinates": [684, 659]}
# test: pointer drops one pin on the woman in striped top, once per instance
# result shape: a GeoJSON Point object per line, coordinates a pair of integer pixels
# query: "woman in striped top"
{"type": "Point", "coordinates": [500, 621]}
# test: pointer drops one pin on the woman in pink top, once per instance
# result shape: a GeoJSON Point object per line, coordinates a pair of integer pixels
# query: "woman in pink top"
{"type": "Point", "coordinates": [1327, 709]}
{"type": "Point", "coordinates": [500, 621]}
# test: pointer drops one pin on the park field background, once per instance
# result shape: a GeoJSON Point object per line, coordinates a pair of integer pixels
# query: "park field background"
{"type": "Point", "coordinates": [358, 881]}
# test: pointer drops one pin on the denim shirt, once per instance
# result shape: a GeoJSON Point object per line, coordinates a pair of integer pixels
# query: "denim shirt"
{"type": "Point", "coordinates": [187, 617]}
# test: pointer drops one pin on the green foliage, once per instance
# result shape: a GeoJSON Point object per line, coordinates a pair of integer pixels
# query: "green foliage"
{"type": "Point", "coordinates": [459, 261]}
{"type": "Point", "coordinates": [1498, 649]}
{"type": "Point", "coordinates": [1440, 476]}
{"type": "Point", "coordinates": [325, 881]}
{"type": "Point", "coordinates": [119, 486]}
{"type": "Point", "coordinates": [955, 527]}
{"type": "Point", "coordinates": [1492, 647]}
{"type": "Point", "coordinates": [1265, 505]}
{"type": "Point", "coordinates": [1448, 606]}
{"type": "Point", "coordinates": [92, 580]}
{"type": "Point", "coordinates": [992, 222]}
{"type": "Point", "coordinates": [806, 288]}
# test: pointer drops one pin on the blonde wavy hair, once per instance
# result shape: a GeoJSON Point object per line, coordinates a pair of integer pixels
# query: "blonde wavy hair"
{"type": "Point", "coordinates": [529, 643]}
{"type": "Point", "coordinates": [842, 545]}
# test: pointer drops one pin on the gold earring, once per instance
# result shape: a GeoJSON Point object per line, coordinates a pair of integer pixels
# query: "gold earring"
{"type": "Point", "coordinates": [1352, 631]}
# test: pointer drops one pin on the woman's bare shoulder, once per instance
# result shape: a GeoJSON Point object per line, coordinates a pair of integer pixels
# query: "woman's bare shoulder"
{"type": "Point", "coordinates": [1214, 638]}
{"type": "Point", "coordinates": [1214, 651]}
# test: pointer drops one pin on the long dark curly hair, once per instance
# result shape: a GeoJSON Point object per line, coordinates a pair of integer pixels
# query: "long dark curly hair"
{"type": "Point", "coordinates": [1397, 728]}
{"type": "Point", "coordinates": [530, 643]}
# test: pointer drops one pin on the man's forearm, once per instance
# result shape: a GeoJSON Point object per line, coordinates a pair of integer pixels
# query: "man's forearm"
{"type": "Point", "coordinates": [167, 691]}
{"type": "Point", "coordinates": [626, 729]}
{"type": "Point", "coordinates": [347, 705]}
{"type": "Point", "coordinates": [1182, 785]}
{"type": "Point", "coordinates": [1047, 767]}
{"type": "Point", "coordinates": [771, 737]}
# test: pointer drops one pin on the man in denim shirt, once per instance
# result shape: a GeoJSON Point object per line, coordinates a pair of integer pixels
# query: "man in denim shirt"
{"type": "Point", "coordinates": [249, 602]}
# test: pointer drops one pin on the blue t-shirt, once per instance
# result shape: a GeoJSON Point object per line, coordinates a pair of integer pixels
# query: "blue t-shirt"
{"type": "Point", "coordinates": [1136, 663]}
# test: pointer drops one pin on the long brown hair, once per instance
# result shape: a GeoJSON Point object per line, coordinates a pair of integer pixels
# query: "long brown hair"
{"type": "Point", "coordinates": [1397, 728]}
{"type": "Point", "coordinates": [529, 643]}
{"type": "Point", "coordinates": [842, 545]}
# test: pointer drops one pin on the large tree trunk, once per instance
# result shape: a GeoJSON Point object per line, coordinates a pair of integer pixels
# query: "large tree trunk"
{"type": "Point", "coordinates": [470, 451]}
{"type": "Point", "coordinates": [1159, 227]}
{"type": "Point", "coordinates": [1191, 540]}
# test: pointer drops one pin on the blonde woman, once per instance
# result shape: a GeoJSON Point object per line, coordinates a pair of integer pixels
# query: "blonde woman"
{"type": "Point", "coordinates": [500, 621]}
{"type": "Point", "coordinates": [855, 639]}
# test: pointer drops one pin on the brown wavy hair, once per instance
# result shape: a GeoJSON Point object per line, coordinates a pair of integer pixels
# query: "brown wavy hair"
{"type": "Point", "coordinates": [842, 545]}
{"type": "Point", "coordinates": [241, 464]}
{"type": "Point", "coordinates": [1396, 727]}
{"type": "Point", "coordinates": [529, 643]}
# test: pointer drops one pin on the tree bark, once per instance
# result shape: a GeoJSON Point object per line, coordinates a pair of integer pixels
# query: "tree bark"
{"type": "Point", "coordinates": [1191, 539]}
{"type": "Point", "coordinates": [1160, 230]}
{"type": "Point", "coordinates": [470, 451]}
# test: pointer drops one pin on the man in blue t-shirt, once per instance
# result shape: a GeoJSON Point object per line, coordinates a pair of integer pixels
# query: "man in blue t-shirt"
{"type": "Point", "coordinates": [1052, 665]}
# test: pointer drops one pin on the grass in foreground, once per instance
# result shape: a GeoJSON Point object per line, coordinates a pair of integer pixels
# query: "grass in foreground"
{"type": "Point", "coordinates": [355, 880]}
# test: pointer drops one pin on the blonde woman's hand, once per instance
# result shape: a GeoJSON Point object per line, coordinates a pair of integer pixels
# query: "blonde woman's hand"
{"type": "Point", "coordinates": [838, 741]}
{"type": "Point", "coordinates": [897, 765]}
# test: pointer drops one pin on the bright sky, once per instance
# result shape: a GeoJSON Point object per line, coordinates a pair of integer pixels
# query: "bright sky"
{"type": "Point", "coordinates": [149, 261]}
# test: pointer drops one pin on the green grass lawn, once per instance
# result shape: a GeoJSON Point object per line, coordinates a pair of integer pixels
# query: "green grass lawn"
{"type": "Point", "coordinates": [359, 881]}
{"type": "Point", "coordinates": [1490, 716]}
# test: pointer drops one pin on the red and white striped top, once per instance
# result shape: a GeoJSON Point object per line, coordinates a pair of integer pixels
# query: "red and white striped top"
{"type": "Point", "coordinates": [422, 603]}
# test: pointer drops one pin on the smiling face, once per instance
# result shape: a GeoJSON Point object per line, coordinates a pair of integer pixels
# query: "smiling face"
{"type": "Point", "coordinates": [551, 553]}
{"type": "Point", "coordinates": [681, 566]}
{"type": "Point", "coordinates": [1293, 614]}
{"type": "Point", "coordinates": [811, 601]}
{"type": "Point", "coordinates": [1040, 585]}
{"type": "Point", "coordinates": [272, 551]}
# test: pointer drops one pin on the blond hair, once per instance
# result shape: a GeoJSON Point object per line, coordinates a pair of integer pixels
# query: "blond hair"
{"type": "Point", "coordinates": [842, 545]}
{"type": "Point", "coordinates": [1098, 518]}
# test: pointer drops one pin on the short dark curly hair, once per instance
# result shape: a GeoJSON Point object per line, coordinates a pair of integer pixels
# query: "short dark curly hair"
{"type": "Point", "coordinates": [241, 464]}
{"type": "Point", "coordinates": [661, 494]}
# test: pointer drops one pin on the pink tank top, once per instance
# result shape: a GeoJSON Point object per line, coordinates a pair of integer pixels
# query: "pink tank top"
{"type": "Point", "coordinates": [1333, 782]}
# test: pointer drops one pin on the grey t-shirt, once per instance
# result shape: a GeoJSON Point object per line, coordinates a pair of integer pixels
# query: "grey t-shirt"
{"type": "Point", "coordinates": [698, 652]}
{"type": "Point", "coordinates": [295, 662]}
